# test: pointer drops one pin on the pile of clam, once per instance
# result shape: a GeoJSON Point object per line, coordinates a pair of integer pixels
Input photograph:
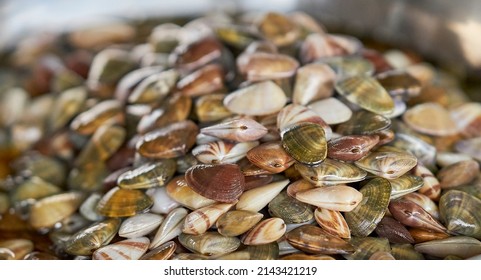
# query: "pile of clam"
{"type": "Point", "coordinates": [254, 137]}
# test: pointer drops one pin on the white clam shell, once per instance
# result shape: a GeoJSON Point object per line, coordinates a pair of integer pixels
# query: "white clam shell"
{"type": "Point", "coordinates": [256, 199]}
{"type": "Point", "coordinates": [129, 249]}
{"type": "Point", "coordinates": [140, 225]}
{"type": "Point", "coordinates": [163, 204]}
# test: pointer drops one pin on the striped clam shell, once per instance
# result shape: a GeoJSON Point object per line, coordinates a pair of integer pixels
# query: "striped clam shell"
{"type": "Point", "coordinates": [289, 209]}
{"type": "Point", "coordinates": [306, 143]}
{"type": "Point", "coordinates": [237, 222]}
{"type": "Point", "coordinates": [314, 240]}
{"type": "Point", "coordinates": [364, 123]}
{"type": "Point", "coordinates": [129, 249]}
{"type": "Point", "coordinates": [181, 192]}
{"type": "Point", "coordinates": [48, 211]}
{"type": "Point", "coordinates": [222, 151]}
{"type": "Point", "coordinates": [87, 240]}
{"type": "Point", "coordinates": [430, 118]}
{"type": "Point", "coordinates": [387, 164]}
{"type": "Point", "coordinates": [405, 184]}
{"type": "Point", "coordinates": [293, 114]}
{"type": "Point", "coordinates": [460, 213]}
{"type": "Point", "coordinates": [331, 172]}
{"type": "Point", "coordinates": [431, 187]}
{"type": "Point", "coordinates": [264, 232]}
{"type": "Point", "coordinates": [337, 198]}
{"type": "Point", "coordinates": [148, 175]}
{"type": "Point", "coordinates": [123, 203]}
{"type": "Point", "coordinates": [461, 246]}
{"type": "Point", "coordinates": [332, 222]}
{"type": "Point", "coordinates": [413, 215]}
{"type": "Point", "coordinates": [200, 220]}
{"type": "Point", "coordinates": [209, 243]}
{"type": "Point", "coordinates": [365, 247]}
{"type": "Point", "coordinates": [170, 227]}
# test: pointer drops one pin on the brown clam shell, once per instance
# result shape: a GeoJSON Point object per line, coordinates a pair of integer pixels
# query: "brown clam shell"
{"type": "Point", "coordinates": [206, 80]}
{"type": "Point", "coordinates": [458, 174]}
{"type": "Point", "coordinates": [351, 147]}
{"type": "Point", "coordinates": [260, 66]}
{"type": "Point", "coordinates": [221, 182]}
{"type": "Point", "coordinates": [271, 157]}
{"type": "Point", "coordinates": [411, 214]}
{"type": "Point", "coordinates": [123, 203]}
{"type": "Point", "coordinates": [393, 230]}
{"type": "Point", "coordinates": [197, 53]}
{"type": "Point", "coordinates": [314, 240]}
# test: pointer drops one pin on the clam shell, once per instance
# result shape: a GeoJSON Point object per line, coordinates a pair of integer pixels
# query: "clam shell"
{"type": "Point", "coordinates": [209, 243]}
{"type": "Point", "coordinates": [189, 256]}
{"type": "Point", "coordinates": [411, 214]}
{"type": "Point", "coordinates": [268, 251]}
{"type": "Point", "coordinates": [331, 172]}
{"type": "Point", "coordinates": [33, 188]}
{"type": "Point", "coordinates": [140, 225]}
{"type": "Point", "coordinates": [148, 175]}
{"type": "Point", "coordinates": [461, 246]}
{"type": "Point", "coordinates": [299, 186]}
{"type": "Point", "coordinates": [129, 249]}
{"type": "Point", "coordinates": [424, 152]}
{"type": "Point", "coordinates": [331, 110]}
{"type": "Point", "coordinates": [197, 53]}
{"type": "Point", "coordinates": [313, 82]}
{"type": "Point", "coordinates": [332, 222]}
{"type": "Point", "coordinates": [205, 80]}
{"type": "Point", "coordinates": [88, 207]}
{"type": "Point", "coordinates": [307, 23]}
{"type": "Point", "coordinates": [68, 104]}
{"type": "Point", "coordinates": [314, 240]}
{"type": "Point", "coordinates": [365, 247]}
{"type": "Point", "coordinates": [382, 256]}
{"type": "Point", "coordinates": [399, 83]}
{"type": "Point", "coordinates": [239, 255]}
{"type": "Point", "coordinates": [425, 202]}
{"type": "Point", "coordinates": [468, 119]}
{"type": "Point", "coordinates": [45, 213]}
{"type": "Point", "coordinates": [278, 29]}
{"type": "Point", "coordinates": [222, 151]}
{"type": "Point", "coordinates": [321, 45]}
{"type": "Point", "coordinates": [248, 101]}
{"type": "Point", "coordinates": [367, 93]}
{"type": "Point", "coordinates": [200, 220]}
{"type": "Point", "coordinates": [363, 123]}
{"type": "Point", "coordinates": [307, 257]}
{"type": "Point", "coordinates": [289, 209]}
{"type": "Point", "coordinates": [18, 247]}
{"type": "Point", "coordinates": [444, 159]}
{"type": "Point", "coordinates": [404, 185]}
{"type": "Point", "coordinates": [6, 254]}
{"type": "Point", "coordinates": [221, 182]}
{"type": "Point", "coordinates": [87, 240]}
{"type": "Point", "coordinates": [363, 219]}
{"type": "Point", "coordinates": [256, 199]}
{"type": "Point", "coordinates": [181, 192]}
{"type": "Point", "coordinates": [423, 235]}
{"type": "Point", "coordinates": [261, 66]}
{"type": "Point", "coordinates": [209, 108]}
{"type": "Point", "coordinates": [240, 130]}
{"type": "Point", "coordinates": [405, 252]}
{"type": "Point", "coordinates": [458, 174]}
{"type": "Point", "coordinates": [431, 187]}
{"type": "Point", "coordinates": [123, 203]}
{"type": "Point", "coordinates": [430, 118]}
{"type": "Point", "coordinates": [306, 143]}
{"type": "Point", "coordinates": [393, 230]}
{"type": "Point", "coordinates": [470, 147]}
{"type": "Point", "coordinates": [349, 66]}
{"type": "Point", "coordinates": [237, 222]}
{"type": "Point", "coordinates": [163, 203]}
{"type": "Point", "coordinates": [351, 147]}
{"type": "Point", "coordinates": [337, 198]}
{"type": "Point", "coordinates": [460, 213]}
{"type": "Point", "coordinates": [168, 142]}
{"type": "Point", "coordinates": [154, 88]}
{"type": "Point", "coordinates": [296, 114]}
{"type": "Point", "coordinates": [170, 227]}
{"type": "Point", "coordinates": [264, 232]}
{"type": "Point", "coordinates": [256, 181]}
{"type": "Point", "coordinates": [163, 252]}
{"type": "Point", "coordinates": [105, 112]}
{"type": "Point", "coordinates": [271, 157]}
{"type": "Point", "coordinates": [387, 164]}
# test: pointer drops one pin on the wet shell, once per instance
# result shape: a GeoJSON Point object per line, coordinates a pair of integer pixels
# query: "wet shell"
{"type": "Point", "coordinates": [170, 228]}
{"type": "Point", "coordinates": [207, 79]}
{"type": "Point", "coordinates": [163, 252]}
{"type": "Point", "coordinates": [331, 110]}
{"type": "Point", "coordinates": [19, 247]}
{"type": "Point", "coordinates": [180, 191]}
{"type": "Point", "coordinates": [271, 157]}
{"type": "Point", "coordinates": [422, 235]}
{"type": "Point", "coordinates": [209, 243]}
{"type": "Point", "coordinates": [461, 246]}
{"type": "Point", "coordinates": [294, 114]}
{"type": "Point", "coordinates": [313, 82]}
{"type": "Point", "coordinates": [222, 151]}
{"type": "Point", "coordinates": [332, 222]}
{"type": "Point", "coordinates": [314, 240]}
{"type": "Point", "coordinates": [289, 209]}
{"type": "Point", "coordinates": [367, 93]}
{"type": "Point", "coordinates": [299, 186]}
{"type": "Point", "coordinates": [130, 249]}
{"type": "Point", "coordinates": [268, 251]}
{"type": "Point", "coordinates": [306, 143]}
{"type": "Point", "coordinates": [470, 147]}
{"type": "Point", "coordinates": [413, 215]}
{"type": "Point", "coordinates": [123, 203]}
{"type": "Point", "coordinates": [237, 222]}
{"type": "Point", "coordinates": [430, 118]}
{"type": "Point", "coordinates": [364, 123]}
{"type": "Point", "coordinates": [460, 212]}
{"type": "Point", "coordinates": [240, 130]}
{"type": "Point", "coordinates": [148, 175]}
{"type": "Point", "coordinates": [261, 66]}
{"type": "Point", "coordinates": [365, 217]}
{"type": "Point", "coordinates": [202, 219]}
{"type": "Point", "coordinates": [87, 240]}
{"type": "Point", "coordinates": [405, 252]}
{"type": "Point", "coordinates": [393, 230]}
{"type": "Point", "coordinates": [140, 225]}
{"type": "Point", "coordinates": [259, 99]}
{"type": "Point", "coordinates": [351, 147]}
{"type": "Point", "coordinates": [458, 174]}
{"type": "Point", "coordinates": [331, 172]}
{"type": "Point", "coordinates": [221, 182]}
{"type": "Point", "coordinates": [209, 108]}
{"type": "Point", "coordinates": [256, 199]}
{"type": "Point", "coordinates": [45, 213]}
{"type": "Point", "coordinates": [163, 203]}
{"type": "Point", "coordinates": [468, 119]}
{"type": "Point", "coordinates": [154, 88]}
{"type": "Point", "coordinates": [264, 232]}
{"type": "Point", "coordinates": [105, 112]}
{"type": "Point", "coordinates": [365, 247]}
{"type": "Point", "coordinates": [33, 188]}
{"type": "Point", "coordinates": [337, 198]}
{"type": "Point", "coordinates": [168, 142]}
{"type": "Point", "coordinates": [431, 187]}
{"type": "Point", "coordinates": [405, 184]}
{"type": "Point", "coordinates": [425, 202]}
{"type": "Point", "coordinates": [387, 164]}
